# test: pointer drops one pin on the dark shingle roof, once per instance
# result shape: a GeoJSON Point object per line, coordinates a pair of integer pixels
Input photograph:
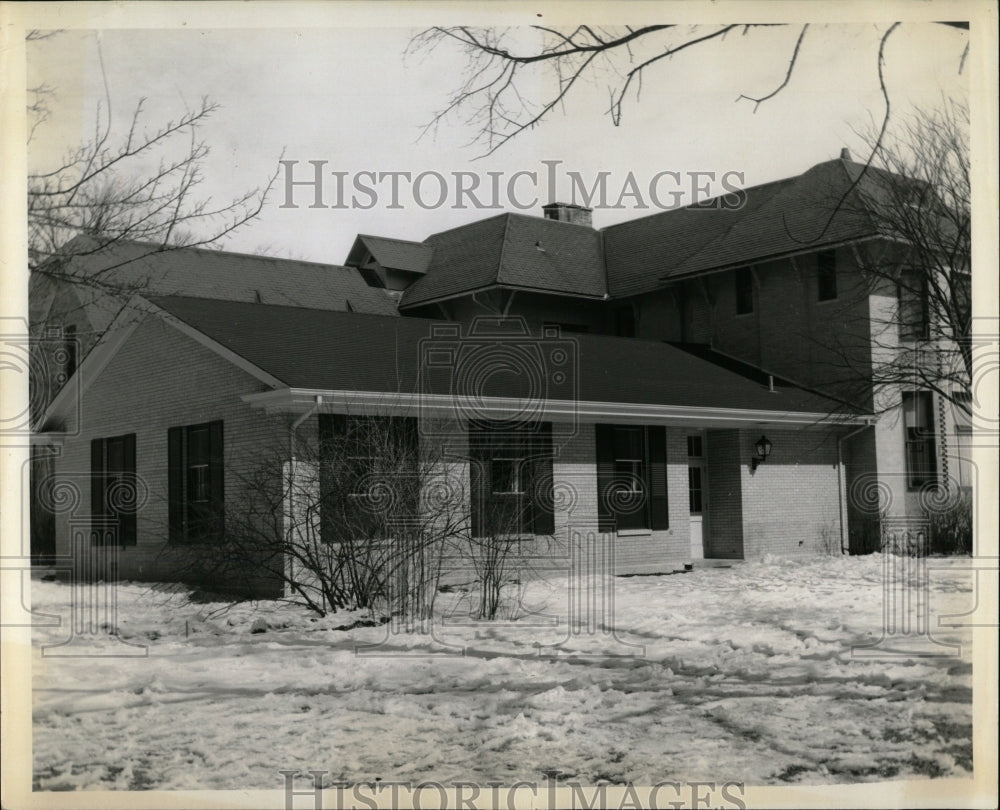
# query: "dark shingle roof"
{"type": "Point", "coordinates": [640, 251]}
{"type": "Point", "coordinates": [395, 254]}
{"type": "Point", "coordinates": [215, 274]}
{"type": "Point", "coordinates": [512, 250]}
{"type": "Point", "coordinates": [323, 350]}
{"type": "Point", "coordinates": [804, 214]}
{"type": "Point", "coordinates": [794, 215]}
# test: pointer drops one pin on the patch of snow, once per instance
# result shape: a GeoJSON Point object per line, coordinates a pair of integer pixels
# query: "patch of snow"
{"type": "Point", "coordinates": [743, 673]}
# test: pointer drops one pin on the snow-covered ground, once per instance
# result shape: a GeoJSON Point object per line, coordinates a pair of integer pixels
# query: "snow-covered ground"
{"type": "Point", "coordinates": [749, 673]}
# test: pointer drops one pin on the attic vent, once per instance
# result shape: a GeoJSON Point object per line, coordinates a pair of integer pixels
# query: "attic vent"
{"type": "Point", "coordinates": [348, 305]}
{"type": "Point", "coordinates": [538, 247]}
{"type": "Point", "coordinates": [257, 297]}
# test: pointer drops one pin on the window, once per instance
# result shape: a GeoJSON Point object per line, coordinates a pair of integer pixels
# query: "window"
{"type": "Point", "coordinates": [195, 483]}
{"type": "Point", "coordinates": [368, 485]}
{"type": "Point", "coordinates": [695, 447]}
{"type": "Point", "coordinates": [826, 275]}
{"type": "Point", "coordinates": [113, 490]}
{"type": "Point", "coordinates": [507, 476]}
{"type": "Point", "coordinates": [510, 473]}
{"type": "Point", "coordinates": [744, 291]}
{"type": "Point", "coordinates": [918, 423]}
{"type": "Point", "coordinates": [631, 477]}
{"type": "Point", "coordinates": [914, 316]}
{"type": "Point", "coordinates": [695, 490]}
{"type": "Point", "coordinates": [695, 472]}
{"type": "Point", "coordinates": [70, 344]}
{"type": "Point", "coordinates": [962, 407]}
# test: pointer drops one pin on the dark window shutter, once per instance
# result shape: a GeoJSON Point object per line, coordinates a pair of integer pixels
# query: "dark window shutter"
{"type": "Point", "coordinates": [327, 479]}
{"type": "Point", "coordinates": [605, 451]}
{"type": "Point", "coordinates": [478, 479]}
{"type": "Point", "coordinates": [175, 484]}
{"type": "Point", "coordinates": [406, 439]}
{"type": "Point", "coordinates": [216, 478]}
{"type": "Point", "coordinates": [325, 429]}
{"type": "Point", "coordinates": [331, 425]}
{"type": "Point", "coordinates": [127, 528]}
{"type": "Point", "coordinates": [542, 516]}
{"type": "Point", "coordinates": [657, 484]}
{"type": "Point", "coordinates": [97, 483]}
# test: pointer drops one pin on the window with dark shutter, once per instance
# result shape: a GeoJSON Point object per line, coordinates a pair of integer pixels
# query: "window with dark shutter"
{"type": "Point", "coordinates": [510, 476]}
{"type": "Point", "coordinates": [196, 483]}
{"type": "Point", "coordinates": [113, 490]}
{"type": "Point", "coordinates": [918, 424]}
{"type": "Point", "coordinates": [631, 477]}
{"type": "Point", "coordinates": [367, 471]}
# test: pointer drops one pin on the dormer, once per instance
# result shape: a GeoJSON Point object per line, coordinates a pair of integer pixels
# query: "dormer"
{"type": "Point", "coordinates": [389, 264]}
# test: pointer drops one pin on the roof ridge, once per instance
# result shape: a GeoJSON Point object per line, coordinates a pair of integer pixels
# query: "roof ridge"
{"type": "Point", "coordinates": [503, 250]}
{"type": "Point", "coordinates": [159, 249]}
{"type": "Point", "coordinates": [392, 239]}
{"type": "Point", "coordinates": [222, 302]}
{"type": "Point", "coordinates": [466, 225]}
{"type": "Point", "coordinates": [694, 206]}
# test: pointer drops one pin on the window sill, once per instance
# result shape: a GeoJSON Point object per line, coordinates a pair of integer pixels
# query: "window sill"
{"type": "Point", "coordinates": [634, 532]}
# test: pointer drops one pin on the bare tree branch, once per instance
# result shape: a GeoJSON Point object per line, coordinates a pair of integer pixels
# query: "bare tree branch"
{"type": "Point", "coordinates": [509, 86]}
{"type": "Point", "coordinates": [788, 74]}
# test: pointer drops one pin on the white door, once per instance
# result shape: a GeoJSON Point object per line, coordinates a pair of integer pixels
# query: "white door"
{"type": "Point", "coordinates": [697, 494]}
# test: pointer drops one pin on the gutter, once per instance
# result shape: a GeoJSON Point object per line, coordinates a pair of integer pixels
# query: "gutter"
{"type": "Point", "coordinates": [297, 400]}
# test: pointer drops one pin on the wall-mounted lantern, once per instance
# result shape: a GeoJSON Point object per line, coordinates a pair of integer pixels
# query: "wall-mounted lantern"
{"type": "Point", "coordinates": [763, 450]}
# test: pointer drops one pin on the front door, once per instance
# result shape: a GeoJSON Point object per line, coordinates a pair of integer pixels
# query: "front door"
{"type": "Point", "coordinates": [697, 494]}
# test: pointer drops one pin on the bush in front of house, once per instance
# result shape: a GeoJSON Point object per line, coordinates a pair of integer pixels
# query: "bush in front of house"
{"type": "Point", "coordinates": [951, 525]}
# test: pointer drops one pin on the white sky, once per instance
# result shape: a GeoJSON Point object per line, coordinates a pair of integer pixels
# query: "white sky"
{"type": "Point", "coordinates": [348, 96]}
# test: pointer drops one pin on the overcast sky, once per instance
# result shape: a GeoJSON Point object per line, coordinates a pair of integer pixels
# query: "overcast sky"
{"type": "Point", "coordinates": [350, 96]}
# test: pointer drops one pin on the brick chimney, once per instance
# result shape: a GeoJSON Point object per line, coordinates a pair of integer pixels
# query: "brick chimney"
{"type": "Point", "coordinates": [567, 212]}
{"type": "Point", "coordinates": [845, 154]}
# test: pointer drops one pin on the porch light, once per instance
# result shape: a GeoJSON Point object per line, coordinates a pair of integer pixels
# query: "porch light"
{"type": "Point", "coordinates": [763, 450]}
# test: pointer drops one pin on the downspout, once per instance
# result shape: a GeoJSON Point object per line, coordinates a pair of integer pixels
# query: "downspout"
{"type": "Point", "coordinates": [298, 422]}
{"type": "Point", "coordinates": [842, 483]}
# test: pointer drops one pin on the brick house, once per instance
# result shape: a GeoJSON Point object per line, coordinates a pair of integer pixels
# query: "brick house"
{"type": "Point", "coordinates": [683, 376]}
